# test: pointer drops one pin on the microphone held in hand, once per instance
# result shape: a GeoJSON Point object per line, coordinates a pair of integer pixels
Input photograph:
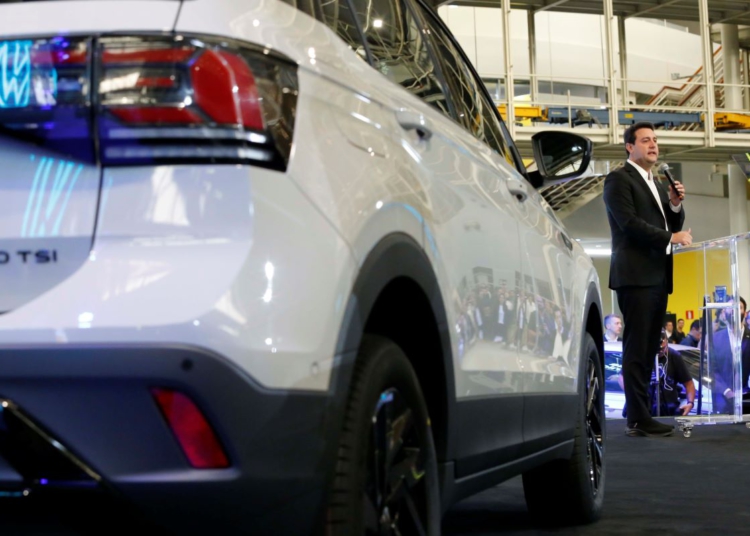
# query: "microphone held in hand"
{"type": "Point", "coordinates": [664, 169]}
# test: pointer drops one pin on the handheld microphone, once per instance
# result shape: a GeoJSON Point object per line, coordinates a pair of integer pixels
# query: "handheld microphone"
{"type": "Point", "coordinates": [664, 169]}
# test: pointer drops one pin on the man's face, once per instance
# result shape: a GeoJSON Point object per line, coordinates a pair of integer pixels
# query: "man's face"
{"type": "Point", "coordinates": [645, 150]}
{"type": "Point", "coordinates": [615, 325]}
{"type": "Point", "coordinates": [696, 333]}
{"type": "Point", "coordinates": [663, 346]}
{"type": "Point", "coordinates": [668, 326]}
{"type": "Point", "coordinates": [680, 324]}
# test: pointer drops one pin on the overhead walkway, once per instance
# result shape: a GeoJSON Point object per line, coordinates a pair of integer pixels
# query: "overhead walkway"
{"type": "Point", "coordinates": [694, 117]}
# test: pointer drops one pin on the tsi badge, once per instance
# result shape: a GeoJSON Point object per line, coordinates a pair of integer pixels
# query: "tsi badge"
{"type": "Point", "coordinates": [28, 256]}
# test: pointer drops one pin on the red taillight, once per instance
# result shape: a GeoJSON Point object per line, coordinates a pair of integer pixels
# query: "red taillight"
{"type": "Point", "coordinates": [225, 89]}
{"type": "Point", "coordinates": [145, 100]}
{"type": "Point", "coordinates": [160, 96]}
{"type": "Point", "coordinates": [167, 116]}
{"type": "Point", "coordinates": [195, 436]}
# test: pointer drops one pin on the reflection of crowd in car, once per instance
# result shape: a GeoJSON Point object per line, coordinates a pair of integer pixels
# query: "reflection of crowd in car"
{"type": "Point", "coordinates": [514, 319]}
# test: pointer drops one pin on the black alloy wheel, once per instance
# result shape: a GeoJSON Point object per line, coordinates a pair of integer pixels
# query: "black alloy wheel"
{"type": "Point", "coordinates": [394, 493]}
{"type": "Point", "coordinates": [385, 480]}
{"type": "Point", "coordinates": [594, 427]}
{"type": "Point", "coordinates": [571, 491]}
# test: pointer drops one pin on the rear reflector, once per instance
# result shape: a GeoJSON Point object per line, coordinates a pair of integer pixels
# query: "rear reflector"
{"type": "Point", "coordinates": [195, 436]}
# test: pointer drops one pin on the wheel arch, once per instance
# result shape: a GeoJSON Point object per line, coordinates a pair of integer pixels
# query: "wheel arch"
{"type": "Point", "coordinates": [396, 295]}
{"type": "Point", "coordinates": [593, 323]}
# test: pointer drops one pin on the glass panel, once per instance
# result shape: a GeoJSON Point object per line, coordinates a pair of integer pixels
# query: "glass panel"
{"type": "Point", "coordinates": [476, 113]}
{"type": "Point", "coordinates": [305, 6]}
{"type": "Point", "coordinates": [399, 50]}
{"type": "Point", "coordinates": [338, 17]}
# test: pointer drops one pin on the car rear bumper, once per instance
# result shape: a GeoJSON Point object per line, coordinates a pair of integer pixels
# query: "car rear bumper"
{"type": "Point", "coordinates": [95, 400]}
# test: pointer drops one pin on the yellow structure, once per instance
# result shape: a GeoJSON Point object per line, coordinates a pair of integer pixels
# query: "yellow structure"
{"type": "Point", "coordinates": [523, 113]}
{"type": "Point", "coordinates": [730, 121]}
{"type": "Point", "coordinates": [691, 273]}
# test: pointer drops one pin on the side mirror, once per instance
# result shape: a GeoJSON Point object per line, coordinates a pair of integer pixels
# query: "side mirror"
{"type": "Point", "coordinates": [561, 155]}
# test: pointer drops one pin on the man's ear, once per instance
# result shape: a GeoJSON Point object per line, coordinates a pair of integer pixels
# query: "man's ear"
{"type": "Point", "coordinates": [629, 147]}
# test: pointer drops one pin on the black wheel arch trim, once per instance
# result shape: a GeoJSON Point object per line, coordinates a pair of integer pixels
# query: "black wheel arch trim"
{"type": "Point", "coordinates": [397, 255]}
{"type": "Point", "coordinates": [593, 326]}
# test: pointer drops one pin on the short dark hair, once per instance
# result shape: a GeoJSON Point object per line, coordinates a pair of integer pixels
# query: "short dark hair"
{"type": "Point", "coordinates": [695, 325]}
{"type": "Point", "coordinates": [743, 302]}
{"type": "Point", "coordinates": [609, 317]}
{"type": "Point", "coordinates": [633, 129]}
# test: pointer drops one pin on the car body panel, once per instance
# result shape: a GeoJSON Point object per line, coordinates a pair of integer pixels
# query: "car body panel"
{"type": "Point", "coordinates": [266, 278]}
{"type": "Point", "coordinates": [248, 235]}
{"type": "Point", "coordinates": [47, 217]}
{"type": "Point", "coordinates": [84, 16]}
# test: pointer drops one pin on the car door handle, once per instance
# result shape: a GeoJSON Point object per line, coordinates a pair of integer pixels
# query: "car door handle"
{"type": "Point", "coordinates": [568, 243]}
{"type": "Point", "coordinates": [411, 120]}
{"type": "Point", "coordinates": [518, 189]}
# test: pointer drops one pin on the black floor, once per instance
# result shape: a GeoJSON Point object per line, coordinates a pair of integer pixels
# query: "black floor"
{"type": "Point", "coordinates": [661, 486]}
{"type": "Point", "coordinates": [668, 485]}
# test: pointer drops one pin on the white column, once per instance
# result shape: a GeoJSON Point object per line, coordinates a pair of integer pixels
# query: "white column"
{"type": "Point", "coordinates": [610, 71]}
{"type": "Point", "coordinates": [509, 81]}
{"type": "Point", "coordinates": [738, 224]}
{"type": "Point", "coordinates": [533, 81]}
{"type": "Point", "coordinates": [623, 60]}
{"type": "Point", "coordinates": [730, 49]}
{"type": "Point", "coordinates": [708, 70]}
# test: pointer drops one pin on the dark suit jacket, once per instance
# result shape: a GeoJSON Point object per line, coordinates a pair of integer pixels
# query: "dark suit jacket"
{"type": "Point", "coordinates": [722, 361]}
{"type": "Point", "coordinates": [639, 239]}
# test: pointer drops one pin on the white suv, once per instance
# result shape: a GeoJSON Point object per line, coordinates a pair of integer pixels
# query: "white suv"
{"type": "Point", "coordinates": [279, 268]}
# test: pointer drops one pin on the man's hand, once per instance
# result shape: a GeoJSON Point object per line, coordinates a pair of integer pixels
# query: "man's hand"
{"type": "Point", "coordinates": [686, 408]}
{"type": "Point", "coordinates": [729, 394]}
{"type": "Point", "coordinates": [676, 196]}
{"type": "Point", "coordinates": [684, 238]}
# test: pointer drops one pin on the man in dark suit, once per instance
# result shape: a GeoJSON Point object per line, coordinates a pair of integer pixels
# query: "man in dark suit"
{"type": "Point", "coordinates": [722, 362]}
{"type": "Point", "coordinates": [645, 222]}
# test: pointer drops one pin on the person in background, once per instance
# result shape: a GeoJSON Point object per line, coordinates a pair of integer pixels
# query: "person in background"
{"type": "Point", "coordinates": [612, 328]}
{"type": "Point", "coordinates": [673, 373]}
{"type": "Point", "coordinates": [694, 335]}
{"type": "Point", "coordinates": [669, 329]}
{"type": "Point", "coordinates": [679, 333]}
{"type": "Point", "coordinates": [724, 342]}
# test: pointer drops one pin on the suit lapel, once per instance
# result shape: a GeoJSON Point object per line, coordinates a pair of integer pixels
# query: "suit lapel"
{"type": "Point", "coordinates": [644, 187]}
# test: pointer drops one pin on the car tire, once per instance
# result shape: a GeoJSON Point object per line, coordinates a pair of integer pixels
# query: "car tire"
{"type": "Point", "coordinates": [572, 491]}
{"type": "Point", "coordinates": [386, 432]}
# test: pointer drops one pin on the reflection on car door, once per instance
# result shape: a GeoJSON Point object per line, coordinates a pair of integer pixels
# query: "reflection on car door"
{"type": "Point", "coordinates": [480, 262]}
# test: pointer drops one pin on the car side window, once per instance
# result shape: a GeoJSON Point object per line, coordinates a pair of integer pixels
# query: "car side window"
{"type": "Point", "coordinates": [398, 49]}
{"type": "Point", "coordinates": [338, 16]}
{"type": "Point", "coordinates": [475, 111]}
{"type": "Point", "coordinates": [305, 6]}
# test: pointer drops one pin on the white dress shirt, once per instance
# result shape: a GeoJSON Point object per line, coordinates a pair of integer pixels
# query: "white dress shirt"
{"type": "Point", "coordinates": [652, 186]}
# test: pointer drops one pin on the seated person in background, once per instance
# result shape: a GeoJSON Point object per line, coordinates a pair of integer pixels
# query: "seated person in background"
{"type": "Point", "coordinates": [612, 328]}
{"type": "Point", "coordinates": [679, 333]}
{"type": "Point", "coordinates": [694, 335]}
{"type": "Point", "coordinates": [670, 330]}
{"type": "Point", "coordinates": [672, 374]}
{"type": "Point", "coordinates": [723, 360]}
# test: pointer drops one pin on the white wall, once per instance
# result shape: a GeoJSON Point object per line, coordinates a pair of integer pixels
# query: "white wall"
{"type": "Point", "coordinates": [570, 46]}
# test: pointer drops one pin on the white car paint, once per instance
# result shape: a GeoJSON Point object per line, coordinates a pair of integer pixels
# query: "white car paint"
{"type": "Point", "coordinates": [257, 265]}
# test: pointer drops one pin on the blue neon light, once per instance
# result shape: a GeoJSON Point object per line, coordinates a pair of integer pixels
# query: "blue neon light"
{"type": "Point", "coordinates": [15, 73]}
